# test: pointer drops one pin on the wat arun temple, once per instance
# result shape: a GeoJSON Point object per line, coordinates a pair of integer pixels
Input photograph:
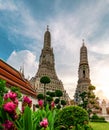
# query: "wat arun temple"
{"type": "Point", "coordinates": [47, 68]}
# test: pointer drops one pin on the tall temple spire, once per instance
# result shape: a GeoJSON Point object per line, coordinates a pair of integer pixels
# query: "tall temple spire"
{"type": "Point", "coordinates": [47, 68]}
{"type": "Point", "coordinates": [47, 39]}
{"type": "Point", "coordinates": [83, 74]}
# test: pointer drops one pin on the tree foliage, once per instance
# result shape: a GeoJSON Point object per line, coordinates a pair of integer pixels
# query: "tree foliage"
{"type": "Point", "coordinates": [40, 96]}
{"type": "Point", "coordinates": [58, 93]}
{"type": "Point", "coordinates": [63, 102]}
{"type": "Point", "coordinates": [56, 100]}
{"type": "Point", "coordinates": [3, 89]}
{"type": "Point", "coordinates": [45, 80]}
{"type": "Point", "coordinates": [89, 100]}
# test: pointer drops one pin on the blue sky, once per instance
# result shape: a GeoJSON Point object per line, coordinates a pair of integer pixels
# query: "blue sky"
{"type": "Point", "coordinates": [22, 27]}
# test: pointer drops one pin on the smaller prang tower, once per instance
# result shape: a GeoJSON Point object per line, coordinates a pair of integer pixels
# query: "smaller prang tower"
{"type": "Point", "coordinates": [83, 74]}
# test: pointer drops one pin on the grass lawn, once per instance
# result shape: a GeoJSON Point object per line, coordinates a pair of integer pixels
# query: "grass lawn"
{"type": "Point", "coordinates": [100, 126]}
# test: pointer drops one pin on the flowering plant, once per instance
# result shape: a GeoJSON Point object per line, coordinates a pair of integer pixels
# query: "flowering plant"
{"type": "Point", "coordinates": [8, 125]}
{"type": "Point", "coordinates": [44, 123]}
{"type": "Point", "coordinates": [11, 118]}
{"type": "Point", "coordinates": [8, 107]}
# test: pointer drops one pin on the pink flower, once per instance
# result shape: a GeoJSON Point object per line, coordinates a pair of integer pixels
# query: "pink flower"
{"type": "Point", "coordinates": [8, 125]}
{"type": "Point", "coordinates": [23, 108]}
{"type": "Point", "coordinates": [12, 95]}
{"type": "Point", "coordinates": [9, 107]}
{"type": "Point", "coordinates": [16, 101]}
{"type": "Point", "coordinates": [40, 103]}
{"type": "Point", "coordinates": [44, 123]}
{"type": "Point", "coordinates": [27, 100]}
{"type": "Point", "coordinates": [6, 96]}
{"type": "Point", "coordinates": [52, 104]}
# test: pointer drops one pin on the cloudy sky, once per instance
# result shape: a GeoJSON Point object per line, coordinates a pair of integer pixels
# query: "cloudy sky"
{"type": "Point", "coordinates": [22, 27]}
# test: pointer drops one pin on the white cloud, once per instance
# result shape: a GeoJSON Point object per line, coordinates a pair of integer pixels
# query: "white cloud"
{"type": "Point", "coordinates": [100, 74]}
{"type": "Point", "coordinates": [101, 94]}
{"type": "Point", "coordinates": [7, 5]}
{"type": "Point", "coordinates": [24, 58]}
{"type": "Point", "coordinates": [100, 46]}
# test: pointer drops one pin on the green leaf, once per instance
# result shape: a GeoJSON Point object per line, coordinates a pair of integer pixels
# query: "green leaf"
{"type": "Point", "coordinates": [27, 119]}
{"type": "Point", "coordinates": [3, 115]}
{"type": "Point", "coordinates": [1, 100]}
{"type": "Point", "coordinates": [19, 125]}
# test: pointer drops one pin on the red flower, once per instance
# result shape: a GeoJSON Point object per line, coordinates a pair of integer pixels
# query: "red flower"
{"type": "Point", "coordinates": [8, 125]}
{"type": "Point", "coordinates": [9, 107]}
{"type": "Point", "coordinates": [40, 103]}
{"type": "Point", "coordinates": [44, 123]}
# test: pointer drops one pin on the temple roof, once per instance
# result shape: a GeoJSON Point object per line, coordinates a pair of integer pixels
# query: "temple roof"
{"type": "Point", "coordinates": [15, 78]}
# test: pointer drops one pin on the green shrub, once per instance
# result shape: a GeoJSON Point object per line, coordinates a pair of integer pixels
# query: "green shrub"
{"type": "Point", "coordinates": [71, 116]}
{"type": "Point", "coordinates": [57, 100]}
{"type": "Point", "coordinates": [96, 118]}
{"type": "Point", "coordinates": [63, 102]}
{"type": "Point", "coordinates": [45, 80]}
{"type": "Point", "coordinates": [40, 96]}
{"type": "Point", "coordinates": [52, 94]}
{"type": "Point", "coordinates": [58, 93]}
{"type": "Point", "coordinates": [49, 99]}
{"type": "Point", "coordinates": [58, 106]}
{"type": "Point", "coordinates": [78, 127]}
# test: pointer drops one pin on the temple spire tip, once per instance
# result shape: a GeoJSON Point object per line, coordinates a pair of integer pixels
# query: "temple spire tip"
{"type": "Point", "coordinates": [47, 27]}
{"type": "Point", "coordinates": [83, 42]}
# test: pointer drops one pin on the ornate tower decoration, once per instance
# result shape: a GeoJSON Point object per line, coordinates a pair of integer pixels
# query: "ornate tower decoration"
{"type": "Point", "coordinates": [47, 68]}
{"type": "Point", "coordinates": [83, 74]}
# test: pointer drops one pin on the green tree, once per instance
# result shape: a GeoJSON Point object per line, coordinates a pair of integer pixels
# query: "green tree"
{"type": "Point", "coordinates": [63, 102]}
{"type": "Point", "coordinates": [58, 93]}
{"type": "Point", "coordinates": [45, 80]}
{"type": "Point", "coordinates": [56, 100]}
{"type": "Point", "coordinates": [40, 96]}
{"type": "Point", "coordinates": [49, 99]}
{"type": "Point", "coordinates": [89, 100]}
